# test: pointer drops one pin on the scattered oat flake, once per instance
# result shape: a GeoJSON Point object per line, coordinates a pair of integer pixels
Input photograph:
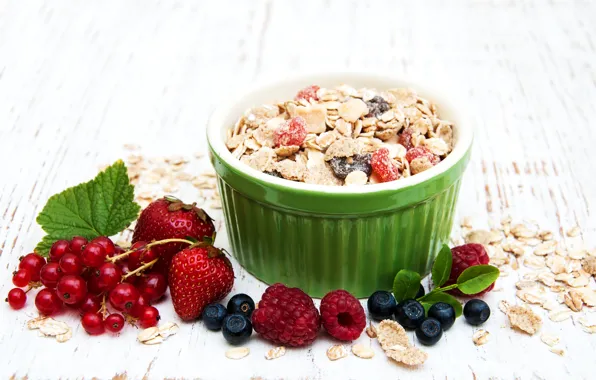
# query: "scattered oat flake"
{"type": "Point", "coordinates": [573, 232]}
{"type": "Point", "coordinates": [275, 353]}
{"type": "Point", "coordinates": [168, 329]}
{"type": "Point", "coordinates": [558, 351]}
{"type": "Point", "coordinates": [337, 352]}
{"type": "Point", "coordinates": [480, 337]}
{"type": "Point", "coordinates": [524, 319]}
{"type": "Point", "coordinates": [35, 323]}
{"type": "Point", "coordinates": [411, 356]}
{"type": "Point", "coordinates": [64, 337]}
{"type": "Point", "coordinates": [362, 351]}
{"type": "Point", "coordinates": [147, 334]}
{"type": "Point", "coordinates": [559, 315]}
{"type": "Point", "coordinates": [52, 327]}
{"type": "Point", "coordinates": [391, 333]}
{"type": "Point", "coordinates": [237, 353]}
{"type": "Point", "coordinates": [371, 331]}
{"type": "Point", "coordinates": [549, 339]}
{"type": "Point", "coordinates": [504, 306]}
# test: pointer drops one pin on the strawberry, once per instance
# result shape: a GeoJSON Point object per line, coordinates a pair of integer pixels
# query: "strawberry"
{"type": "Point", "coordinates": [199, 275]}
{"type": "Point", "coordinates": [168, 218]}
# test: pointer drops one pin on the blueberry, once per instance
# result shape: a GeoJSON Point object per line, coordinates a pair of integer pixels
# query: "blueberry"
{"type": "Point", "coordinates": [429, 332]}
{"type": "Point", "coordinates": [213, 316]}
{"type": "Point", "coordinates": [342, 166]}
{"type": "Point", "coordinates": [241, 304]}
{"type": "Point", "coordinates": [381, 305]}
{"type": "Point", "coordinates": [236, 328]}
{"type": "Point", "coordinates": [476, 312]}
{"type": "Point", "coordinates": [409, 314]}
{"type": "Point", "coordinates": [444, 313]}
{"type": "Point", "coordinates": [421, 292]}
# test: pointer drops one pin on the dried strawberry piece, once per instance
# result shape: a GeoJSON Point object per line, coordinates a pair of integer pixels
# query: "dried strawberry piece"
{"type": "Point", "coordinates": [291, 132]}
{"type": "Point", "coordinates": [308, 93]}
{"type": "Point", "coordinates": [421, 151]}
{"type": "Point", "coordinates": [383, 167]}
{"type": "Point", "coordinates": [405, 138]}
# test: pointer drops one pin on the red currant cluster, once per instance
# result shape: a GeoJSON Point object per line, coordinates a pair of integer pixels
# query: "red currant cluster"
{"type": "Point", "coordinates": [82, 275]}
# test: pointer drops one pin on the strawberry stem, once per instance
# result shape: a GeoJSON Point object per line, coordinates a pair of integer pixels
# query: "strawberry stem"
{"type": "Point", "coordinates": [139, 269]}
{"type": "Point", "coordinates": [152, 244]}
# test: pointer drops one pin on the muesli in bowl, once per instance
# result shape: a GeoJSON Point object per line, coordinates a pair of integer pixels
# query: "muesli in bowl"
{"type": "Point", "coordinates": [343, 136]}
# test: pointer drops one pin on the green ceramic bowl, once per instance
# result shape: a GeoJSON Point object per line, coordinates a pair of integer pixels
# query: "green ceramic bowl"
{"type": "Point", "coordinates": [320, 238]}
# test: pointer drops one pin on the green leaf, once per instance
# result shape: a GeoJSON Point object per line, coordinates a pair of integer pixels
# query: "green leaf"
{"type": "Point", "coordinates": [432, 298]}
{"type": "Point", "coordinates": [477, 278]}
{"type": "Point", "coordinates": [103, 206]}
{"type": "Point", "coordinates": [442, 266]}
{"type": "Point", "coordinates": [406, 285]}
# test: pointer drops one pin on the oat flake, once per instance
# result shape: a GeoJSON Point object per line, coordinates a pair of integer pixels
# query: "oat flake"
{"type": "Point", "coordinates": [337, 352]}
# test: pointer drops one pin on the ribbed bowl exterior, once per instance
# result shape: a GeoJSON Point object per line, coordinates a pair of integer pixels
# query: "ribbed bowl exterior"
{"type": "Point", "coordinates": [319, 253]}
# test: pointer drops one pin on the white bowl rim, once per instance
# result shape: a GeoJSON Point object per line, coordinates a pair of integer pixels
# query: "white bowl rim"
{"type": "Point", "coordinates": [462, 129]}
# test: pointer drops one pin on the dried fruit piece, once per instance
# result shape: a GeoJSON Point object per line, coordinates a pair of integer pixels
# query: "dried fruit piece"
{"type": "Point", "coordinates": [383, 167]}
{"type": "Point", "coordinates": [308, 93]}
{"type": "Point", "coordinates": [275, 353]}
{"type": "Point", "coordinates": [362, 351]}
{"type": "Point", "coordinates": [377, 106]}
{"type": "Point", "coordinates": [291, 132]}
{"type": "Point", "coordinates": [342, 166]}
{"type": "Point", "coordinates": [421, 151]}
{"type": "Point", "coordinates": [371, 331]}
{"type": "Point", "coordinates": [337, 352]}
{"type": "Point", "coordinates": [237, 353]}
{"type": "Point", "coordinates": [405, 138]}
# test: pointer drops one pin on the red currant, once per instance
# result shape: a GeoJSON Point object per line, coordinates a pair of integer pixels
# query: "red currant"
{"type": "Point", "coordinates": [71, 289]}
{"type": "Point", "coordinates": [16, 298]}
{"type": "Point", "coordinates": [93, 255]}
{"type": "Point", "coordinates": [21, 278]}
{"type": "Point", "coordinates": [93, 323]}
{"type": "Point", "coordinates": [123, 297]}
{"type": "Point", "coordinates": [93, 282]}
{"type": "Point", "coordinates": [71, 264]}
{"type": "Point", "coordinates": [138, 308]}
{"type": "Point", "coordinates": [77, 244]}
{"type": "Point", "coordinates": [50, 274]}
{"type": "Point", "coordinates": [91, 304]}
{"type": "Point", "coordinates": [59, 249]}
{"type": "Point", "coordinates": [109, 275]}
{"type": "Point", "coordinates": [114, 322]}
{"type": "Point", "coordinates": [117, 251]}
{"type": "Point", "coordinates": [47, 302]}
{"type": "Point", "coordinates": [124, 266]}
{"type": "Point", "coordinates": [153, 286]}
{"type": "Point", "coordinates": [149, 317]}
{"type": "Point", "coordinates": [106, 243]}
{"type": "Point", "coordinates": [291, 132]}
{"type": "Point", "coordinates": [32, 263]}
{"type": "Point", "coordinates": [135, 258]}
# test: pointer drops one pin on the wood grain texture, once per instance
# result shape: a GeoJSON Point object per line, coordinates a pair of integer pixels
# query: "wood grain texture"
{"type": "Point", "coordinates": [80, 78]}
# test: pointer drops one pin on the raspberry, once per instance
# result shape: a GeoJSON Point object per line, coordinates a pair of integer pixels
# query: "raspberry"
{"type": "Point", "coordinates": [421, 151]}
{"type": "Point", "coordinates": [383, 167]}
{"type": "Point", "coordinates": [466, 256]}
{"type": "Point", "coordinates": [308, 93]}
{"type": "Point", "coordinates": [343, 315]}
{"type": "Point", "coordinates": [286, 316]}
{"type": "Point", "coordinates": [405, 138]}
{"type": "Point", "coordinates": [291, 132]}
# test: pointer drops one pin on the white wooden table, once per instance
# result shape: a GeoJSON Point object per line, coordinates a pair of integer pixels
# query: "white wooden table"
{"type": "Point", "coordinates": [78, 79]}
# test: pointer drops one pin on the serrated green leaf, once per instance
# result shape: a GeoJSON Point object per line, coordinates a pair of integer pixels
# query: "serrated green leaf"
{"type": "Point", "coordinates": [103, 206]}
{"type": "Point", "coordinates": [406, 285]}
{"type": "Point", "coordinates": [477, 278]}
{"type": "Point", "coordinates": [432, 298]}
{"type": "Point", "coordinates": [442, 266]}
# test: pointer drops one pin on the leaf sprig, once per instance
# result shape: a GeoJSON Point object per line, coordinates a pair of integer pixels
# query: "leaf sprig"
{"type": "Point", "coordinates": [472, 280]}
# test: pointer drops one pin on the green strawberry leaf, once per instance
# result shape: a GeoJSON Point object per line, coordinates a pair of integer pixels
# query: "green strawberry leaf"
{"type": "Point", "coordinates": [406, 285]}
{"type": "Point", "coordinates": [442, 266]}
{"type": "Point", "coordinates": [432, 298]}
{"type": "Point", "coordinates": [103, 206]}
{"type": "Point", "coordinates": [477, 278]}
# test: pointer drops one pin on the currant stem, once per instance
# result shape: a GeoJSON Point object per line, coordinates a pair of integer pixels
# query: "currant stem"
{"type": "Point", "coordinates": [152, 244]}
{"type": "Point", "coordinates": [104, 307]}
{"type": "Point", "coordinates": [139, 269]}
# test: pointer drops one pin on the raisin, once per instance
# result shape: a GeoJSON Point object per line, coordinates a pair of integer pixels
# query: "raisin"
{"type": "Point", "coordinates": [274, 173]}
{"type": "Point", "coordinates": [291, 132]}
{"type": "Point", "coordinates": [308, 93]}
{"type": "Point", "coordinates": [377, 106]}
{"type": "Point", "coordinates": [342, 166]}
{"type": "Point", "coordinates": [420, 151]}
{"type": "Point", "coordinates": [383, 167]}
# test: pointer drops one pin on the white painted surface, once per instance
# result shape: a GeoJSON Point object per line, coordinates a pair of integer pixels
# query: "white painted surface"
{"type": "Point", "coordinates": [80, 78]}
